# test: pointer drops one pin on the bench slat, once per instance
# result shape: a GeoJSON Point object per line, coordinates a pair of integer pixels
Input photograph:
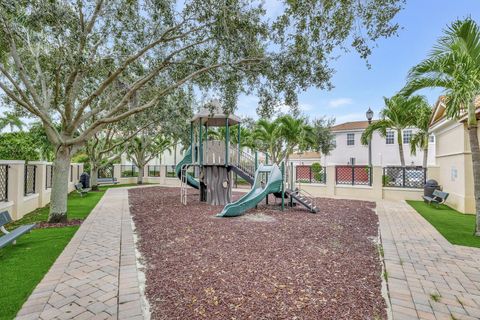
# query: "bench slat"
{"type": "Point", "coordinates": [4, 218]}
{"type": "Point", "coordinates": [14, 234]}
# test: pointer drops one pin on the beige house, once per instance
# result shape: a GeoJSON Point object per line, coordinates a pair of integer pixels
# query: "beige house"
{"type": "Point", "coordinates": [453, 157]}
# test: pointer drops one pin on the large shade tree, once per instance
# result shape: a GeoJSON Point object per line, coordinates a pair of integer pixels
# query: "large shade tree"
{"type": "Point", "coordinates": [145, 147]}
{"type": "Point", "coordinates": [454, 65]}
{"type": "Point", "coordinates": [59, 60]}
{"type": "Point", "coordinates": [421, 138]}
{"type": "Point", "coordinates": [396, 115]}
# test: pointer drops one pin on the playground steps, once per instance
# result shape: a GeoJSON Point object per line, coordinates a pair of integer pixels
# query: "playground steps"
{"type": "Point", "coordinates": [302, 197]}
{"type": "Point", "coordinates": [244, 174]}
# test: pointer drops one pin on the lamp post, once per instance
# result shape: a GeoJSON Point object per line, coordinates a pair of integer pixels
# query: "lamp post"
{"type": "Point", "coordinates": [369, 115]}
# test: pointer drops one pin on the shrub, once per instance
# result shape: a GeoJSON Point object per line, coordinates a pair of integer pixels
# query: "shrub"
{"type": "Point", "coordinates": [317, 171]}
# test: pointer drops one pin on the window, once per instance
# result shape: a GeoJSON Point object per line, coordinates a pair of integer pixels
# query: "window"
{"type": "Point", "coordinates": [350, 139]}
{"type": "Point", "coordinates": [334, 142]}
{"type": "Point", "coordinates": [407, 136]}
{"type": "Point", "coordinates": [431, 139]}
{"type": "Point", "coordinates": [390, 137]}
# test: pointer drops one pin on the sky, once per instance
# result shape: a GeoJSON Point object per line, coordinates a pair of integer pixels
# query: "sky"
{"type": "Point", "coordinates": [356, 87]}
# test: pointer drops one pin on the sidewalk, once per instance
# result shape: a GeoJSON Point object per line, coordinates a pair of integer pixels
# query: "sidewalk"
{"type": "Point", "coordinates": [96, 276]}
{"type": "Point", "coordinates": [422, 266]}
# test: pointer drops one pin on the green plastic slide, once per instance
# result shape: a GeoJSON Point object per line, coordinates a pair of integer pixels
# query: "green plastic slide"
{"type": "Point", "coordinates": [187, 159]}
{"type": "Point", "coordinates": [260, 190]}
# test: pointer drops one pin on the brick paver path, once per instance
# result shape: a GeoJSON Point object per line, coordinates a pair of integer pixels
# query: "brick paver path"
{"type": "Point", "coordinates": [422, 267]}
{"type": "Point", "coordinates": [96, 276]}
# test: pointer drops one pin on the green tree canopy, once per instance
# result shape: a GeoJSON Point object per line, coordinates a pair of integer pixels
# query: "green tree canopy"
{"type": "Point", "coordinates": [73, 61]}
{"type": "Point", "coordinates": [454, 65]}
{"type": "Point", "coordinates": [398, 114]}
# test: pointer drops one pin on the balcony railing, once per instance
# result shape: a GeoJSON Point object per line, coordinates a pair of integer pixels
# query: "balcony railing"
{"type": "Point", "coordinates": [154, 171]}
{"type": "Point", "coordinates": [404, 177]}
{"type": "Point", "coordinates": [170, 171]}
{"type": "Point", "coordinates": [128, 171]}
{"type": "Point", "coordinates": [48, 176]}
{"type": "Point", "coordinates": [106, 172]}
{"type": "Point", "coordinates": [29, 179]}
{"type": "Point", "coordinates": [3, 182]}
{"type": "Point", "coordinates": [307, 174]}
{"type": "Point", "coordinates": [353, 175]}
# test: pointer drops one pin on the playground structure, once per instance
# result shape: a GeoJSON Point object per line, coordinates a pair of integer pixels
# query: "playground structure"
{"type": "Point", "coordinates": [208, 166]}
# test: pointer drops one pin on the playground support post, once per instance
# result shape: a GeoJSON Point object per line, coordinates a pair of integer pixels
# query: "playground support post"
{"type": "Point", "coordinates": [256, 161]}
{"type": "Point", "coordinates": [291, 175]}
{"type": "Point", "coordinates": [200, 144]}
{"type": "Point", "coordinates": [238, 142]}
{"type": "Point", "coordinates": [266, 159]}
{"type": "Point", "coordinates": [283, 186]}
{"type": "Point", "coordinates": [227, 141]}
{"type": "Point", "coordinates": [191, 139]}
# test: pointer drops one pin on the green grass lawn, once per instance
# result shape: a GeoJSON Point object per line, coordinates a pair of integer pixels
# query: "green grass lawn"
{"type": "Point", "coordinates": [456, 227]}
{"type": "Point", "coordinates": [23, 265]}
{"type": "Point", "coordinates": [77, 207]}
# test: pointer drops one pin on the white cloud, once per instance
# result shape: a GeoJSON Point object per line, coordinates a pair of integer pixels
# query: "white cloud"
{"type": "Point", "coordinates": [335, 103]}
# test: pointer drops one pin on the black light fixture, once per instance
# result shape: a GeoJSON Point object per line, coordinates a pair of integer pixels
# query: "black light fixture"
{"type": "Point", "coordinates": [369, 115]}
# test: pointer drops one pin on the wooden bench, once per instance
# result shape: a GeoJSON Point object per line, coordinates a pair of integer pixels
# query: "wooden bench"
{"type": "Point", "coordinates": [438, 198]}
{"type": "Point", "coordinates": [11, 236]}
{"type": "Point", "coordinates": [81, 190]}
{"type": "Point", "coordinates": [101, 181]}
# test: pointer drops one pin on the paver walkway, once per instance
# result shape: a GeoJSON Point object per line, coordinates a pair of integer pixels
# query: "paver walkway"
{"type": "Point", "coordinates": [96, 275]}
{"type": "Point", "coordinates": [422, 267]}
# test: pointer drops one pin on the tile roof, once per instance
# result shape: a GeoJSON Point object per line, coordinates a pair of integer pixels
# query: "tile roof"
{"type": "Point", "coordinates": [439, 110]}
{"type": "Point", "coordinates": [353, 125]}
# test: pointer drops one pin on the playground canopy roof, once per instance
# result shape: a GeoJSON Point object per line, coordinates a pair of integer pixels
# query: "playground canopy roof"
{"type": "Point", "coordinates": [214, 116]}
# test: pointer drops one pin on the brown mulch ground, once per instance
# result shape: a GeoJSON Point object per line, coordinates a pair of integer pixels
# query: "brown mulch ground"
{"type": "Point", "coordinates": [69, 223]}
{"type": "Point", "coordinates": [266, 264]}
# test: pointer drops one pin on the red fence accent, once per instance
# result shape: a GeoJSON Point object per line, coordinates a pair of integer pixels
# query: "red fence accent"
{"type": "Point", "coordinates": [354, 175]}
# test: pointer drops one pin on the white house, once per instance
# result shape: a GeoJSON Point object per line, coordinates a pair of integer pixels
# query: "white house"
{"type": "Point", "coordinates": [348, 147]}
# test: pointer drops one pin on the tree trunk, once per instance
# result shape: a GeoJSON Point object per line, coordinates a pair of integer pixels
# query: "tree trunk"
{"type": "Point", "coordinates": [140, 174]}
{"type": "Point", "coordinates": [425, 156]}
{"type": "Point", "coordinates": [475, 148]}
{"type": "Point", "coordinates": [175, 154]}
{"type": "Point", "coordinates": [58, 197]}
{"type": "Point", "coordinates": [94, 177]}
{"type": "Point", "coordinates": [400, 147]}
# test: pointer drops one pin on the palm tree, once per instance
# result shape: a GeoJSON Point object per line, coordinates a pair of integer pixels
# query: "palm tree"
{"type": "Point", "coordinates": [268, 138]}
{"type": "Point", "coordinates": [454, 65]}
{"type": "Point", "coordinates": [297, 134]}
{"type": "Point", "coordinates": [12, 121]}
{"type": "Point", "coordinates": [421, 138]}
{"type": "Point", "coordinates": [396, 116]}
{"type": "Point", "coordinates": [162, 144]}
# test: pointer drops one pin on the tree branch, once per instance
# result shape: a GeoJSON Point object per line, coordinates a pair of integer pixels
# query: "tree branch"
{"type": "Point", "coordinates": [129, 61]}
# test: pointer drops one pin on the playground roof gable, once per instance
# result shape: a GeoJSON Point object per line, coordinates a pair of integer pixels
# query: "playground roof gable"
{"type": "Point", "coordinates": [213, 115]}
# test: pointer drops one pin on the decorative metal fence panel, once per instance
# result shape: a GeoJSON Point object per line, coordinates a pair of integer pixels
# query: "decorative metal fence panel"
{"type": "Point", "coordinates": [3, 182]}
{"type": "Point", "coordinates": [307, 174]}
{"type": "Point", "coordinates": [154, 171]}
{"type": "Point", "coordinates": [353, 175]}
{"type": "Point", "coordinates": [48, 176]}
{"type": "Point", "coordinates": [29, 181]}
{"type": "Point", "coordinates": [127, 171]}
{"type": "Point", "coordinates": [404, 177]}
{"type": "Point", "coordinates": [170, 171]}
{"type": "Point", "coordinates": [106, 172]}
